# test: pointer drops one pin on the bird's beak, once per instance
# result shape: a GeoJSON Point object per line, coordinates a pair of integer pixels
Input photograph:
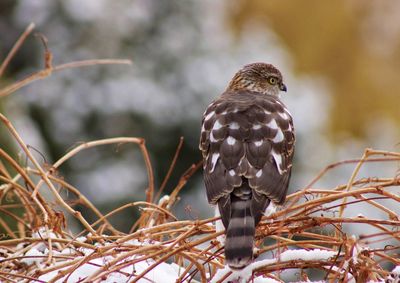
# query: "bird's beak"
{"type": "Point", "coordinates": [282, 87]}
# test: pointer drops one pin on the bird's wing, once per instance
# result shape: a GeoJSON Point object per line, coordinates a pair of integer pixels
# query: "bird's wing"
{"type": "Point", "coordinates": [247, 137]}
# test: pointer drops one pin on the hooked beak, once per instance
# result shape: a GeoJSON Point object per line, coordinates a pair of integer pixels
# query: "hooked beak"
{"type": "Point", "coordinates": [283, 87]}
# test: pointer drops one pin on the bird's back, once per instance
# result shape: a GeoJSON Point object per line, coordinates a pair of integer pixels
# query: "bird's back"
{"type": "Point", "coordinates": [247, 142]}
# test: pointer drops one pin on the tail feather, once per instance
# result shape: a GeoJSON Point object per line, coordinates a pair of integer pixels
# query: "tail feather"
{"type": "Point", "coordinates": [240, 233]}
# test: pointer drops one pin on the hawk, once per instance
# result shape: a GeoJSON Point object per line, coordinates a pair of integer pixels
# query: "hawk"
{"type": "Point", "coordinates": [247, 142]}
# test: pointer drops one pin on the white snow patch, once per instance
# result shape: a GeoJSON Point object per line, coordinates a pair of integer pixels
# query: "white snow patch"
{"type": "Point", "coordinates": [33, 256]}
{"type": "Point", "coordinates": [163, 272]}
{"type": "Point", "coordinates": [245, 274]}
{"type": "Point", "coordinates": [393, 277]}
{"type": "Point", "coordinates": [265, 280]}
{"type": "Point", "coordinates": [44, 233]}
{"type": "Point", "coordinates": [67, 251]}
{"type": "Point", "coordinates": [81, 239]}
{"type": "Point", "coordinates": [301, 254]}
{"type": "Point", "coordinates": [396, 270]}
{"type": "Point", "coordinates": [85, 251]}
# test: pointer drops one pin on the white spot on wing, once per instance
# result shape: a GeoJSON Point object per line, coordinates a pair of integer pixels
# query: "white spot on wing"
{"type": "Point", "coordinates": [272, 124]}
{"type": "Point", "coordinates": [278, 137]}
{"type": "Point", "coordinates": [209, 115]}
{"type": "Point", "coordinates": [278, 160]}
{"type": "Point", "coordinates": [231, 140]}
{"type": "Point", "coordinates": [214, 159]}
{"type": "Point", "coordinates": [212, 139]}
{"type": "Point", "coordinates": [234, 126]}
{"type": "Point", "coordinates": [217, 125]}
{"type": "Point", "coordinates": [257, 126]}
{"type": "Point", "coordinates": [232, 172]}
{"type": "Point", "coordinates": [259, 173]}
{"type": "Point", "coordinates": [258, 143]}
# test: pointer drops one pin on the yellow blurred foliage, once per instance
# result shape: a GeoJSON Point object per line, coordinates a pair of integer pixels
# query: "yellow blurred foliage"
{"type": "Point", "coordinates": [354, 44]}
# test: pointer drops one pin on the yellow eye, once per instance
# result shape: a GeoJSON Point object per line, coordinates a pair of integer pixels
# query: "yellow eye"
{"type": "Point", "coordinates": [272, 80]}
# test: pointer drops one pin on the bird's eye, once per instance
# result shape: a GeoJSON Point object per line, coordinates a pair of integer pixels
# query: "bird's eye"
{"type": "Point", "coordinates": [272, 80]}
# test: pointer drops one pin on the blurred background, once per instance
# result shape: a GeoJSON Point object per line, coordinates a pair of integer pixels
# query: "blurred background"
{"type": "Point", "coordinates": [341, 64]}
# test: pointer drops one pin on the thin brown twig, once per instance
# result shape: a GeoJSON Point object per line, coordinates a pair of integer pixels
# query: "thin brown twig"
{"type": "Point", "coordinates": [16, 47]}
{"type": "Point", "coordinates": [170, 169]}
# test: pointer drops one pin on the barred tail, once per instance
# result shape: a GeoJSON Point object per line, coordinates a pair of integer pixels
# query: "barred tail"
{"type": "Point", "coordinates": [240, 233]}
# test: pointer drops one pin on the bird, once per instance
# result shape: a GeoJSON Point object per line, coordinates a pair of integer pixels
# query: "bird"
{"type": "Point", "coordinates": [247, 142]}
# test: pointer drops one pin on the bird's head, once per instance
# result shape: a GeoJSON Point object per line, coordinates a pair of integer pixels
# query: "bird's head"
{"type": "Point", "coordinates": [258, 77]}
